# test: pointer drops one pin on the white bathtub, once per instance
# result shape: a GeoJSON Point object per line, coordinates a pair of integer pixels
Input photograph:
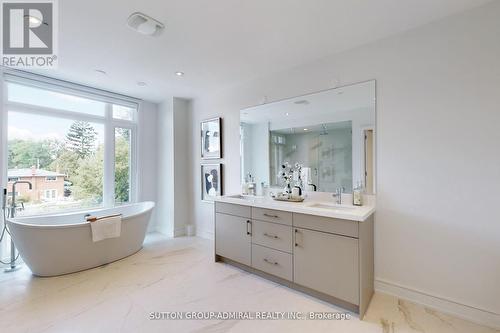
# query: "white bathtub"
{"type": "Point", "coordinates": [60, 244]}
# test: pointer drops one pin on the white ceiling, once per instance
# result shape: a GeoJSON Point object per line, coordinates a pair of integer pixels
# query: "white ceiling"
{"type": "Point", "coordinates": [221, 43]}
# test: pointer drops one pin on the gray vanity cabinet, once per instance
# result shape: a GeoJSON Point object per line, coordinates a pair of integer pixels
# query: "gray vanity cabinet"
{"type": "Point", "coordinates": [329, 258]}
{"type": "Point", "coordinates": [233, 232]}
{"type": "Point", "coordinates": [327, 263]}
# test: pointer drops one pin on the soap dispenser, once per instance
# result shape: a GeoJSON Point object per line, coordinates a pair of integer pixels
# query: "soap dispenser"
{"type": "Point", "coordinates": [357, 195]}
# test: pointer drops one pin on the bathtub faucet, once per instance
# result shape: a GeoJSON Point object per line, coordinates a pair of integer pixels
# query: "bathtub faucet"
{"type": "Point", "coordinates": [12, 214]}
{"type": "Point", "coordinates": [12, 210]}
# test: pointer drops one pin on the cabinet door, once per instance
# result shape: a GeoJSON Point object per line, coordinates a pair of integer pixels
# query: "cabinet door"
{"type": "Point", "coordinates": [233, 238]}
{"type": "Point", "coordinates": [327, 263]}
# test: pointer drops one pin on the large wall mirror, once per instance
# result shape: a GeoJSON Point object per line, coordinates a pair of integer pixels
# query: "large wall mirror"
{"type": "Point", "coordinates": [330, 133]}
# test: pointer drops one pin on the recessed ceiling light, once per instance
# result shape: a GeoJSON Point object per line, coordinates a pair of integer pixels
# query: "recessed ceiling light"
{"type": "Point", "coordinates": [306, 129]}
{"type": "Point", "coordinates": [142, 84]}
{"type": "Point", "coordinates": [100, 71]}
{"type": "Point", "coordinates": [179, 73]}
{"type": "Point", "coordinates": [287, 114]}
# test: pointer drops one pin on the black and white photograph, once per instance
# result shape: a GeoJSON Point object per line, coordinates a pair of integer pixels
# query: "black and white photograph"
{"type": "Point", "coordinates": [211, 179]}
{"type": "Point", "coordinates": [211, 139]}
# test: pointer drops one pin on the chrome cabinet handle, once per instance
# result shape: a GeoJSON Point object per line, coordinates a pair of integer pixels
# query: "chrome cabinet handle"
{"type": "Point", "coordinates": [271, 262]}
{"type": "Point", "coordinates": [273, 216]}
{"type": "Point", "coordinates": [249, 224]}
{"type": "Point", "coordinates": [270, 236]}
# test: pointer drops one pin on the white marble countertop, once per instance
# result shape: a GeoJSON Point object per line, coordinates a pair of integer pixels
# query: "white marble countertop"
{"type": "Point", "coordinates": [329, 209]}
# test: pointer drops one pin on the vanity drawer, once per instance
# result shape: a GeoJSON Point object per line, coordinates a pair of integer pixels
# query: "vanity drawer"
{"type": "Point", "coordinates": [271, 215]}
{"type": "Point", "coordinates": [326, 224]}
{"type": "Point", "coordinates": [275, 236]}
{"type": "Point", "coordinates": [232, 209]}
{"type": "Point", "coordinates": [272, 261]}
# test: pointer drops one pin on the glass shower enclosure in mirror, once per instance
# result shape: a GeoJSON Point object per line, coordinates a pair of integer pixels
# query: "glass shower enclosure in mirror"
{"type": "Point", "coordinates": [331, 134]}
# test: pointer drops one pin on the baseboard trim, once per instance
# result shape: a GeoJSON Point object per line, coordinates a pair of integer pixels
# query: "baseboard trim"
{"type": "Point", "coordinates": [180, 232]}
{"type": "Point", "coordinates": [478, 316]}
{"type": "Point", "coordinates": [205, 234]}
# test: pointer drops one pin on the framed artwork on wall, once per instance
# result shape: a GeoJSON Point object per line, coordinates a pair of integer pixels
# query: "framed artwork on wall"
{"type": "Point", "coordinates": [211, 139]}
{"type": "Point", "coordinates": [211, 181]}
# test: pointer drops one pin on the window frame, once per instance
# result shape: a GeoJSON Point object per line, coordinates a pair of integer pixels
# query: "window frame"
{"type": "Point", "coordinates": [109, 123]}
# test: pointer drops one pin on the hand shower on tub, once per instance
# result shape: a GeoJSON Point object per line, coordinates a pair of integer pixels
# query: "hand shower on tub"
{"type": "Point", "coordinates": [5, 214]}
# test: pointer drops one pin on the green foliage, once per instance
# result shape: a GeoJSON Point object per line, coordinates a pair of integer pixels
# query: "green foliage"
{"type": "Point", "coordinates": [122, 160]}
{"type": "Point", "coordinates": [28, 153]}
{"type": "Point", "coordinates": [88, 177]}
{"type": "Point", "coordinates": [78, 159]}
{"type": "Point", "coordinates": [123, 133]}
{"type": "Point", "coordinates": [81, 139]}
{"type": "Point", "coordinates": [67, 163]}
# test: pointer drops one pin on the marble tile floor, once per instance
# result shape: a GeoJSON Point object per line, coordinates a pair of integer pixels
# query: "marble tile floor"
{"type": "Point", "coordinates": [179, 274]}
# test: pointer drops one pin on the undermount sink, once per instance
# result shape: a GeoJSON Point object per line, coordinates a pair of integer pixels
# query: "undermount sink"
{"type": "Point", "coordinates": [332, 207]}
{"type": "Point", "coordinates": [243, 197]}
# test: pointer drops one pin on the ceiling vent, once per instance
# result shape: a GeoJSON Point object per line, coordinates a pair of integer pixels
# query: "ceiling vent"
{"type": "Point", "coordinates": [144, 24]}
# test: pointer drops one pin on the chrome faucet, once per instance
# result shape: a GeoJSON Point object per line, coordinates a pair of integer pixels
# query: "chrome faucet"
{"type": "Point", "coordinates": [12, 208]}
{"type": "Point", "coordinates": [338, 194]}
{"type": "Point", "coordinates": [12, 214]}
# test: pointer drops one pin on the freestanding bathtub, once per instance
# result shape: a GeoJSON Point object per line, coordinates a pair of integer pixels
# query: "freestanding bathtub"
{"type": "Point", "coordinates": [60, 244]}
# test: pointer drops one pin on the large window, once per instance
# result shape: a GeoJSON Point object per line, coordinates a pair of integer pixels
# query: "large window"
{"type": "Point", "coordinates": [76, 148]}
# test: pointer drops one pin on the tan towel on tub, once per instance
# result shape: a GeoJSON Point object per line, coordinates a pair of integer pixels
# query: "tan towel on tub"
{"type": "Point", "coordinates": [106, 227]}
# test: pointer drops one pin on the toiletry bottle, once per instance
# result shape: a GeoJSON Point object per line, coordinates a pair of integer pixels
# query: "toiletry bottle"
{"type": "Point", "coordinates": [264, 189]}
{"type": "Point", "coordinates": [244, 186]}
{"type": "Point", "coordinates": [251, 186]}
{"type": "Point", "coordinates": [357, 195]}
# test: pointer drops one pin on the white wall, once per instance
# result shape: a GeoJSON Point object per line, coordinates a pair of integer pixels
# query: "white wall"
{"type": "Point", "coordinates": [165, 172]}
{"type": "Point", "coordinates": [147, 166]}
{"type": "Point", "coordinates": [438, 167]}
{"type": "Point", "coordinates": [172, 175]}
{"type": "Point", "coordinates": [182, 159]}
